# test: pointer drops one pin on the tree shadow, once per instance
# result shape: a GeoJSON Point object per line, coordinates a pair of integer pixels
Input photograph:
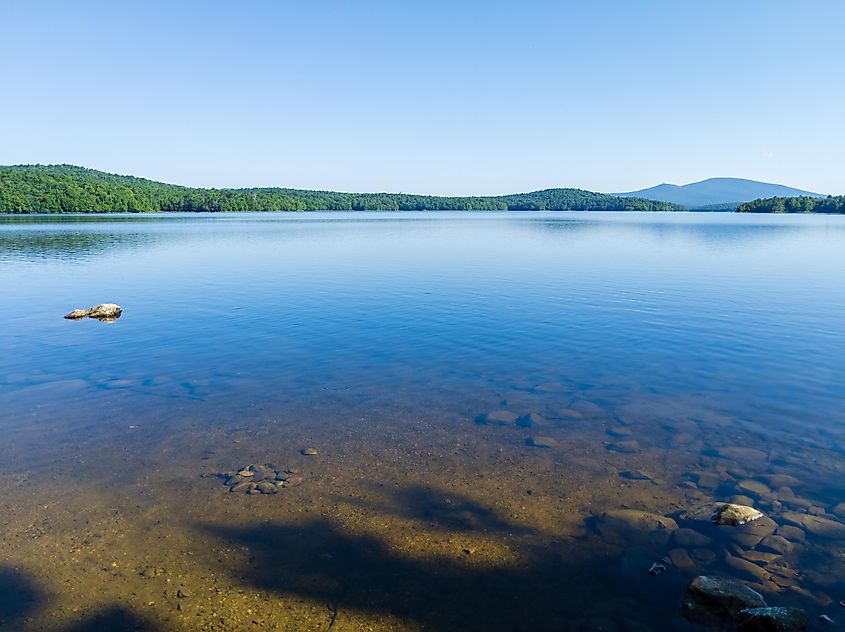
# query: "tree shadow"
{"type": "Point", "coordinates": [555, 583]}
{"type": "Point", "coordinates": [20, 598]}
{"type": "Point", "coordinates": [444, 511]}
{"type": "Point", "coordinates": [114, 619]}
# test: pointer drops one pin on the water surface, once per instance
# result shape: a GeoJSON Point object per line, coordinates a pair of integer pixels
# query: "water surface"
{"type": "Point", "coordinates": [673, 360]}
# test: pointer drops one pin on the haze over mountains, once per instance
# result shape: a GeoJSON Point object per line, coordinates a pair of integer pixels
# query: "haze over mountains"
{"type": "Point", "coordinates": [716, 192]}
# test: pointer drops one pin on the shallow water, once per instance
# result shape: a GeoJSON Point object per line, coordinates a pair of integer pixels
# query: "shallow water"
{"type": "Point", "coordinates": [672, 359]}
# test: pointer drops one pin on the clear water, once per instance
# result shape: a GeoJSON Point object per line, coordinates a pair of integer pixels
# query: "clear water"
{"type": "Point", "coordinates": [382, 339]}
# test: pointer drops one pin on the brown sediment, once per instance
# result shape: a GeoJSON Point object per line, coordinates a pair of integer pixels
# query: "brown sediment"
{"type": "Point", "coordinates": [376, 533]}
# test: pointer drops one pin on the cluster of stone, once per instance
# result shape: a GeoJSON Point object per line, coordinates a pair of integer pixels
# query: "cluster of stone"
{"type": "Point", "coordinates": [260, 479]}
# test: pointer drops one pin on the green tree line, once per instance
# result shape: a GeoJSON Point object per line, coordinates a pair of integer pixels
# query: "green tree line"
{"type": "Point", "coordinates": [802, 204]}
{"type": "Point", "coordinates": [71, 189]}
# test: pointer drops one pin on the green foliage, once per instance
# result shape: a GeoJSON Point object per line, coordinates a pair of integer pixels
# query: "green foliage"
{"type": "Point", "coordinates": [803, 204]}
{"type": "Point", "coordinates": [69, 189]}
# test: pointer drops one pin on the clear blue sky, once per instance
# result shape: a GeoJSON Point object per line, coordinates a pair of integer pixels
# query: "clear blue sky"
{"type": "Point", "coordinates": [432, 96]}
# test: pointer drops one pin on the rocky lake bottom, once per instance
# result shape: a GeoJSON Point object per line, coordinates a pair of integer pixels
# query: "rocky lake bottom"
{"type": "Point", "coordinates": [452, 519]}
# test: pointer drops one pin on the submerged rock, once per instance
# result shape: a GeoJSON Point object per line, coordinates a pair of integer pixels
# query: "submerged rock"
{"type": "Point", "coordinates": [636, 526]}
{"type": "Point", "coordinates": [541, 442]}
{"type": "Point", "coordinates": [734, 515]}
{"type": "Point", "coordinates": [497, 418]}
{"type": "Point", "coordinates": [690, 538]}
{"type": "Point", "coordinates": [628, 446]}
{"type": "Point", "coordinates": [530, 420]}
{"type": "Point", "coordinates": [266, 487]}
{"type": "Point", "coordinates": [309, 451]}
{"type": "Point", "coordinates": [772, 620]}
{"type": "Point", "coordinates": [816, 525]}
{"type": "Point", "coordinates": [714, 601]}
{"type": "Point", "coordinates": [105, 312]}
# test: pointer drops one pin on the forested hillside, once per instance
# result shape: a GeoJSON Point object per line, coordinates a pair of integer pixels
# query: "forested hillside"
{"type": "Point", "coordinates": [803, 204]}
{"type": "Point", "coordinates": [70, 189]}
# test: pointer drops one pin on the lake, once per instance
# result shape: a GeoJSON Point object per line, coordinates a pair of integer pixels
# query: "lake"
{"type": "Point", "coordinates": [515, 417]}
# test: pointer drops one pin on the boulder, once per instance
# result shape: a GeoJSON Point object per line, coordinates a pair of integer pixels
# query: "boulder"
{"type": "Point", "coordinates": [734, 515]}
{"type": "Point", "coordinates": [632, 525]}
{"type": "Point", "coordinates": [497, 418]}
{"type": "Point", "coordinates": [541, 442]}
{"type": "Point", "coordinates": [772, 620]}
{"type": "Point", "coordinates": [816, 525]}
{"type": "Point", "coordinates": [715, 601]}
{"type": "Point", "coordinates": [104, 311]}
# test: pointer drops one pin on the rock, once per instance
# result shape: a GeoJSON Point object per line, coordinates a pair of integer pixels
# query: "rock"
{"type": "Point", "coordinates": [771, 620]}
{"type": "Point", "coordinates": [715, 601]}
{"type": "Point", "coordinates": [781, 480]}
{"type": "Point", "coordinates": [541, 442]}
{"type": "Point", "coordinates": [637, 526]}
{"type": "Point", "coordinates": [104, 311]}
{"type": "Point", "coordinates": [759, 556]}
{"type": "Point", "coordinates": [741, 455]}
{"type": "Point", "coordinates": [747, 570]}
{"type": "Point", "coordinates": [735, 515]}
{"type": "Point", "coordinates": [816, 525]}
{"type": "Point", "coordinates": [791, 532]}
{"type": "Point", "coordinates": [530, 420]}
{"type": "Point", "coordinates": [283, 475]}
{"type": "Point", "coordinates": [570, 413]}
{"type": "Point", "coordinates": [682, 561]}
{"type": "Point", "coordinates": [629, 446]}
{"type": "Point", "coordinates": [741, 500]}
{"type": "Point", "coordinates": [635, 475]}
{"type": "Point", "coordinates": [77, 314]}
{"type": "Point", "coordinates": [618, 431]}
{"type": "Point", "coordinates": [309, 452]}
{"type": "Point", "coordinates": [756, 488]}
{"type": "Point", "coordinates": [245, 473]}
{"type": "Point", "coordinates": [690, 538]}
{"type": "Point", "coordinates": [262, 472]}
{"type": "Point", "coordinates": [293, 481]}
{"type": "Point", "coordinates": [497, 418]}
{"type": "Point", "coordinates": [266, 487]}
{"type": "Point", "coordinates": [775, 544]}
{"type": "Point", "coordinates": [243, 486]}
{"type": "Point", "coordinates": [839, 510]}
{"type": "Point", "coordinates": [703, 556]}
{"type": "Point", "coordinates": [750, 534]}
{"type": "Point", "coordinates": [707, 481]}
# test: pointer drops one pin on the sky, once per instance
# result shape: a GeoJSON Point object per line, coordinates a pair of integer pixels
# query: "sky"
{"type": "Point", "coordinates": [442, 97]}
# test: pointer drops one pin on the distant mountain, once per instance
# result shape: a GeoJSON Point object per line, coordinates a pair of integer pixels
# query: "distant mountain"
{"type": "Point", "coordinates": [69, 189]}
{"type": "Point", "coordinates": [726, 193]}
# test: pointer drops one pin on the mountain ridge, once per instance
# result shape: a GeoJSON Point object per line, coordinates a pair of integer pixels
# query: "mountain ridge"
{"type": "Point", "coordinates": [712, 192]}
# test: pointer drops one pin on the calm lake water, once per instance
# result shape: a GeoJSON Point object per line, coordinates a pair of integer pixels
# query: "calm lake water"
{"type": "Point", "coordinates": [667, 361]}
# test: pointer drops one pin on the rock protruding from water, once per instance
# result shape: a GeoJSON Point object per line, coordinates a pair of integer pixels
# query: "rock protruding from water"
{"type": "Point", "coordinates": [772, 620]}
{"type": "Point", "coordinates": [106, 312]}
{"type": "Point", "coordinates": [735, 515]}
{"type": "Point", "coordinates": [715, 601]}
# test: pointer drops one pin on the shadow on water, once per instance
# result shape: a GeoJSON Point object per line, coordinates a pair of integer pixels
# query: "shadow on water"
{"type": "Point", "coordinates": [20, 598]}
{"type": "Point", "coordinates": [552, 583]}
{"type": "Point", "coordinates": [114, 619]}
{"type": "Point", "coordinates": [444, 512]}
